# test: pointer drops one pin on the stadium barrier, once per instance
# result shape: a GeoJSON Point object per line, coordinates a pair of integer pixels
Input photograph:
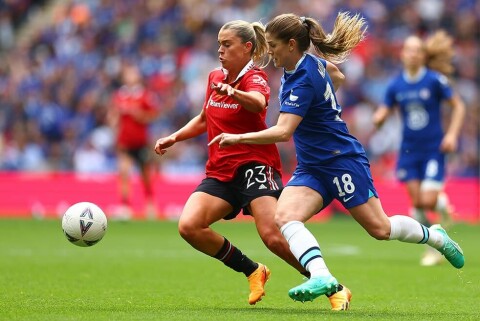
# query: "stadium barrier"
{"type": "Point", "coordinates": [49, 195]}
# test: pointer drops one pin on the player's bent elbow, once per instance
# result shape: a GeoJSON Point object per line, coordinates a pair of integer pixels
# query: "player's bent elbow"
{"type": "Point", "coordinates": [284, 136]}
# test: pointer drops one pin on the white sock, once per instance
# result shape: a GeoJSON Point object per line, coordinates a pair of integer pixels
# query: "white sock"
{"type": "Point", "coordinates": [406, 229]}
{"type": "Point", "coordinates": [442, 206]}
{"type": "Point", "coordinates": [305, 248]}
{"type": "Point", "coordinates": [419, 215]}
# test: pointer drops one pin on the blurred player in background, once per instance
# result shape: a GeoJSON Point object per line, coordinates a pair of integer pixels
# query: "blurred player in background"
{"type": "Point", "coordinates": [331, 162]}
{"type": "Point", "coordinates": [246, 177]}
{"type": "Point", "coordinates": [133, 108]}
{"type": "Point", "coordinates": [419, 91]}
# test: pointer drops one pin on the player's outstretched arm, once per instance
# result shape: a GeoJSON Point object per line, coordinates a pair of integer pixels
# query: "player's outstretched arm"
{"type": "Point", "coordinates": [281, 132]}
{"type": "Point", "coordinates": [380, 115]}
{"type": "Point", "coordinates": [253, 101]}
{"type": "Point", "coordinates": [450, 140]}
{"type": "Point", "coordinates": [195, 127]}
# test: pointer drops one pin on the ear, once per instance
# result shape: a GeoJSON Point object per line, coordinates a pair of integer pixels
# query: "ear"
{"type": "Point", "coordinates": [248, 46]}
{"type": "Point", "coordinates": [292, 44]}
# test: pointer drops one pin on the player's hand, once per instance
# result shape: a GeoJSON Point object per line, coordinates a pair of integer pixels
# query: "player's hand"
{"type": "Point", "coordinates": [379, 116]}
{"type": "Point", "coordinates": [378, 120]}
{"type": "Point", "coordinates": [449, 144]}
{"type": "Point", "coordinates": [163, 143]}
{"type": "Point", "coordinates": [225, 140]}
{"type": "Point", "coordinates": [224, 89]}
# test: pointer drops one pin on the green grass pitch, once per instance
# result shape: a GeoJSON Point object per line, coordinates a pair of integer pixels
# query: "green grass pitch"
{"type": "Point", "coordinates": [145, 271]}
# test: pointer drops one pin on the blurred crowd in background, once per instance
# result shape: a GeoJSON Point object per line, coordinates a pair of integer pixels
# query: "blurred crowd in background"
{"type": "Point", "coordinates": [57, 75]}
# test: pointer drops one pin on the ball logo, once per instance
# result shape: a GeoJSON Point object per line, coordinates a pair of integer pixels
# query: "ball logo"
{"type": "Point", "coordinates": [87, 212]}
{"type": "Point", "coordinates": [85, 226]}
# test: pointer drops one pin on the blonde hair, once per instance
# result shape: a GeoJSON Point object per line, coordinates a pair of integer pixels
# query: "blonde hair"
{"type": "Point", "coordinates": [347, 33]}
{"type": "Point", "coordinates": [439, 52]}
{"type": "Point", "coordinates": [255, 33]}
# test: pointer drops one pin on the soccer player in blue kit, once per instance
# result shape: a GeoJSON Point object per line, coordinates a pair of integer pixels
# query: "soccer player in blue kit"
{"type": "Point", "coordinates": [331, 162]}
{"type": "Point", "coordinates": [419, 91]}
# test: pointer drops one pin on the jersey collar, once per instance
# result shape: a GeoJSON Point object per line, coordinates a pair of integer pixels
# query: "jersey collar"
{"type": "Point", "coordinates": [416, 78]}
{"type": "Point", "coordinates": [296, 65]}
{"type": "Point", "coordinates": [247, 67]}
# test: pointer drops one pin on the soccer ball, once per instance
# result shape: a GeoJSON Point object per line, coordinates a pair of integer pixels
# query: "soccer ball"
{"type": "Point", "coordinates": [84, 224]}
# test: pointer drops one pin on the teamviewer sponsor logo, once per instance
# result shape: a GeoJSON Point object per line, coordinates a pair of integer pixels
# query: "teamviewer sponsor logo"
{"type": "Point", "coordinates": [289, 103]}
{"type": "Point", "coordinates": [221, 104]}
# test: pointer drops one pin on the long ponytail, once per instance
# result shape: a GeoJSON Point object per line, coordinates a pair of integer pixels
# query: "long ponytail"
{"type": "Point", "coordinates": [439, 52]}
{"type": "Point", "coordinates": [348, 32]}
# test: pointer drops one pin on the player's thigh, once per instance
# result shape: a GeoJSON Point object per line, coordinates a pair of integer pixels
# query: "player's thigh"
{"type": "Point", "coordinates": [143, 159]}
{"type": "Point", "coordinates": [202, 209]}
{"type": "Point", "coordinates": [413, 189]}
{"type": "Point", "coordinates": [428, 198]}
{"type": "Point", "coordinates": [297, 203]}
{"type": "Point", "coordinates": [372, 218]}
{"type": "Point", "coordinates": [263, 211]}
{"type": "Point", "coordinates": [125, 162]}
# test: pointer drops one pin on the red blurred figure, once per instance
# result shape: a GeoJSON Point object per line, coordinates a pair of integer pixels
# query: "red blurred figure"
{"type": "Point", "coordinates": [134, 107]}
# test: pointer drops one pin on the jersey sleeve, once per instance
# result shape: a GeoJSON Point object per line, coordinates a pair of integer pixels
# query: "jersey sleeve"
{"type": "Point", "coordinates": [257, 81]}
{"type": "Point", "coordinates": [389, 99]}
{"type": "Point", "coordinates": [298, 100]}
{"type": "Point", "coordinates": [208, 90]}
{"type": "Point", "coordinates": [445, 90]}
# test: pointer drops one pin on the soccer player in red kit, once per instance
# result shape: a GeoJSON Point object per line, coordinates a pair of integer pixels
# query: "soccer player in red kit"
{"type": "Point", "coordinates": [243, 177]}
{"type": "Point", "coordinates": [134, 107]}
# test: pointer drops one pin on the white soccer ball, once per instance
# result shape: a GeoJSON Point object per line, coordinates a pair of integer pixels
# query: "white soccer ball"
{"type": "Point", "coordinates": [84, 224]}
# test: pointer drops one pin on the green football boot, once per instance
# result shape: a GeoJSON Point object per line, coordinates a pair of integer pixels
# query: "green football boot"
{"type": "Point", "coordinates": [451, 250]}
{"type": "Point", "coordinates": [313, 288]}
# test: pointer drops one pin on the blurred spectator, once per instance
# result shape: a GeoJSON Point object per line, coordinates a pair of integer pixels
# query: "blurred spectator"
{"type": "Point", "coordinates": [57, 84]}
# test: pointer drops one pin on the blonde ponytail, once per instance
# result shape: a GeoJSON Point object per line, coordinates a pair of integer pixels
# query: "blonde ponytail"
{"type": "Point", "coordinates": [439, 52]}
{"type": "Point", "coordinates": [348, 32]}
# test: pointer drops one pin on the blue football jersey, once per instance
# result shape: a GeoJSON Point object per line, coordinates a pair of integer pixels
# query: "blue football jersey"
{"type": "Point", "coordinates": [419, 101]}
{"type": "Point", "coordinates": [322, 135]}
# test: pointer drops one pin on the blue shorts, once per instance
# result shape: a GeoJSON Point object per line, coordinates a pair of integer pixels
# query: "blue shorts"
{"type": "Point", "coordinates": [346, 179]}
{"type": "Point", "coordinates": [429, 166]}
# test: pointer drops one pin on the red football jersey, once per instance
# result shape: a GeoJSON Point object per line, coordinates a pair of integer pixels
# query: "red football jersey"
{"type": "Point", "coordinates": [132, 133]}
{"type": "Point", "coordinates": [225, 115]}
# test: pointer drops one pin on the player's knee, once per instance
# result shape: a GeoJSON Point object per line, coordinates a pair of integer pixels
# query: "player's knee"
{"type": "Point", "coordinates": [187, 230]}
{"type": "Point", "coordinates": [428, 203]}
{"type": "Point", "coordinates": [281, 218]}
{"type": "Point", "coordinates": [273, 239]}
{"type": "Point", "coordinates": [416, 203]}
{"type": "Point", "coordinates": [379, 232]}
